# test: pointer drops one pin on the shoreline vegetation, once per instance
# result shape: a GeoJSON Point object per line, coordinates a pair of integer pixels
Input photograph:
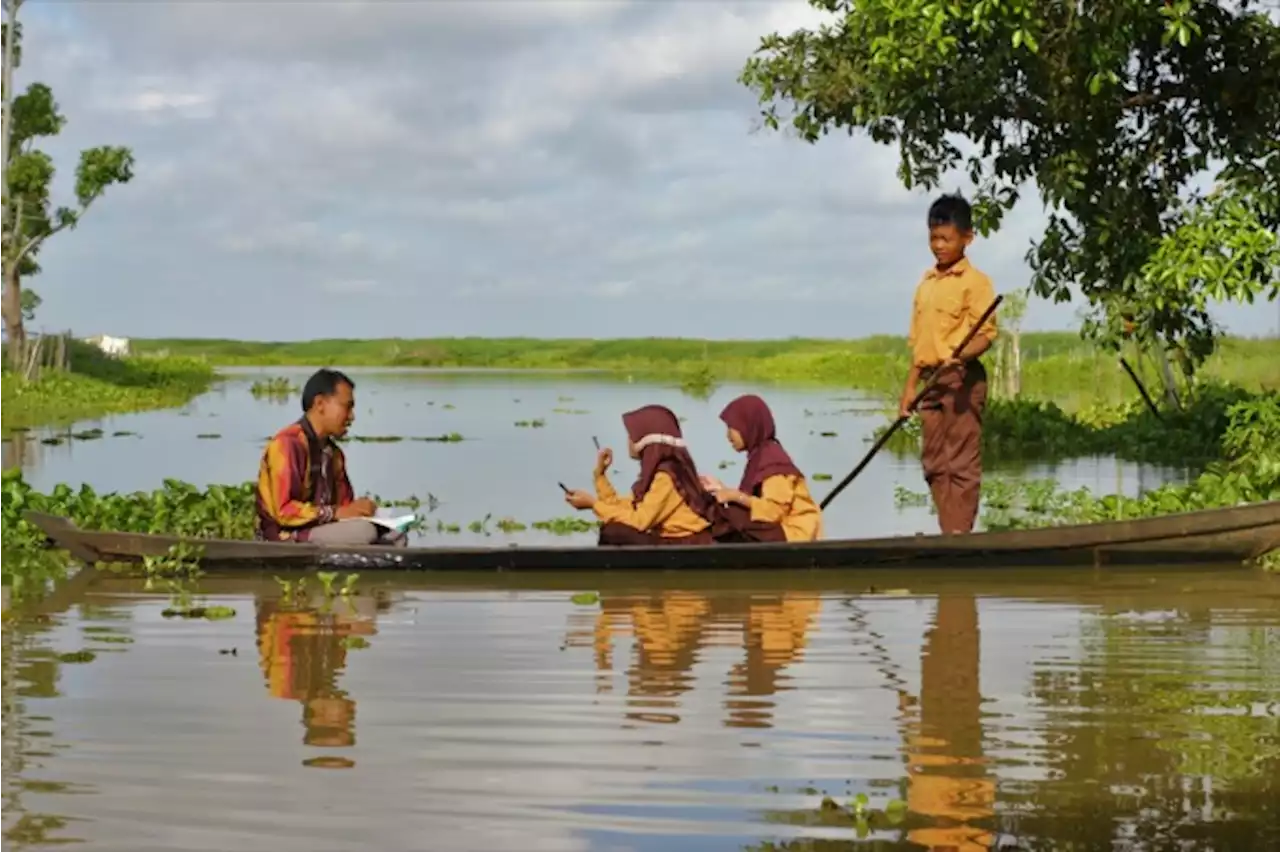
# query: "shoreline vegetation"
{"type": "Point", "coordinates": [94, 385]}
{"type": "Point", "coordinates": [1056, 366]}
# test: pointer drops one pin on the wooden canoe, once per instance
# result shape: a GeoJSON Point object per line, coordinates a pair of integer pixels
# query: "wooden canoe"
{"type": "Point", "coordinates": [1215, 536]}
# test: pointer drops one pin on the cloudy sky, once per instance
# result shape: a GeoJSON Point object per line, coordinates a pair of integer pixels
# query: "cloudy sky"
{"type": "Point", "coordinates": [368, 169]}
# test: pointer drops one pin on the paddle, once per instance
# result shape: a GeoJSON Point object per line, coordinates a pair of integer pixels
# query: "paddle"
{"type": "Point", "coordinates": [1146, 397]}
{"type": "Point", "coordinates": [897, 424]}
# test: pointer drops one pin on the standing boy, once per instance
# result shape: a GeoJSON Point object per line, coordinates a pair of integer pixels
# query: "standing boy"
{"type": "Point", "coordinates": [949, 301]}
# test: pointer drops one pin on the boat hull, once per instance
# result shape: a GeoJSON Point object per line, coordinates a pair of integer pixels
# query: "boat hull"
{"type": "Point", "coordinates": [1215, 536]}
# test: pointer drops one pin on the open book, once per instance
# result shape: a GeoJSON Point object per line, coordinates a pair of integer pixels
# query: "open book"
{"type": "Point", "coordinates": [398, 523]}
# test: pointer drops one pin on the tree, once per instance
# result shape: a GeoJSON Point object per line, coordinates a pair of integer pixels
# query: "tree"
{"type": "Point", "coordinates": [1115, 111]}
{"type": "Point", "coordinates": [29, 218]}
{"type": "Point", "coordinates": [1009, 343]}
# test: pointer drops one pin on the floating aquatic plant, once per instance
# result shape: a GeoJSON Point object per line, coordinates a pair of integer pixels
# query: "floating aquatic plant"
{"type": "Point", "coordinates": [277, 387]}
{"type": "Point", "coordinates": [78, 657]}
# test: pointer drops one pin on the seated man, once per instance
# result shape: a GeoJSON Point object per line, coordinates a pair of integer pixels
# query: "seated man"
{"type": "Point", "coordinates": [303, 489]}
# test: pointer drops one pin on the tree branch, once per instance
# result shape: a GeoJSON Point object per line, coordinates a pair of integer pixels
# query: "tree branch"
{"type": "Point", "coordinates": [1138, 100]}
{"type": "Point", "coordinates": [35, 242]}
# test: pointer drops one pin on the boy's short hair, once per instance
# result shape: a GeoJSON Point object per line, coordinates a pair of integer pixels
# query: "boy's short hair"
{"type": "Point", "coordinates": [951, 210]}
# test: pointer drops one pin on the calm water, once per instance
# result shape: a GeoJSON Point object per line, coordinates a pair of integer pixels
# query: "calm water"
{"type": "Point", "coordinates": [501, 469]}
{"type": "Point", "coordinates": [1134, 711]}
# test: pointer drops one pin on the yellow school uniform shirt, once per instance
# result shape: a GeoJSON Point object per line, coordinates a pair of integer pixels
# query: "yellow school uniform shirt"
{"type": "Point", "coordinates": [947, 304]}
{"type": "Point", "coordinates": [662, 509]}
{"type": "Point", "coordinates": [785, 500]}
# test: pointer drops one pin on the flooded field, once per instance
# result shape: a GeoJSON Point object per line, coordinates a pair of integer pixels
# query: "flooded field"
{"type": "Point", "coordinates": [958, 711]}
{"type": "Point", "coordinates": [520, 436]}
{"type": "Point", "coordinates": [1135, 709]}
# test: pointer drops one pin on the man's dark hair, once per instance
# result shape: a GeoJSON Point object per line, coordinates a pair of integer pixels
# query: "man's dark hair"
{"type": "Point", "coordinates": [951, 210]}
{"type": "Point", "coordinates": [325, 382]}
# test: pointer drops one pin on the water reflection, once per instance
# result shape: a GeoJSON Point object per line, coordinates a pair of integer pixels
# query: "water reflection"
{"type": "Point", "coordinates": [669, 632]}
{"type": "Point", "coordinates": [1164, 732]}
{"type": "Point", "coordinates": [31, 670]}
{"type": "Point", "coordinates": [302, 650]}
{"type": "Point", "coordinates": [21, 449]}
{"type": "Point", "coordinates": [949, 781]}
{"type": "Point", "coordinates": [1142, 718]}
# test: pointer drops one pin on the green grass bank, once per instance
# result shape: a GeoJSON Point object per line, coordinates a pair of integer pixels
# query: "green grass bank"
{"type": "Point", "coordinates": [1057, 366]}
{"type": "Point", "coordinates": [94, 385]}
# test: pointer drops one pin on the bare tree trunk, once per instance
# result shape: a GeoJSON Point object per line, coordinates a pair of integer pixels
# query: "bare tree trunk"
{"type": "Point", "coordinates": [1166, 372]}
{"type": "Point", "coordinates": [12, 305]}
{"type": "Point", "coordinates": [11, 299]}
{"type": "Point", "coordinates": [1006, 371]}
{"type": "Point", "coordinates": [6, 80]}
{"type": "Point", "coordinates": [997, 367]}
{"type": "Point", "coordinates": [35, 355]}
{"type": "Point", "coordinates": [1015, 363]}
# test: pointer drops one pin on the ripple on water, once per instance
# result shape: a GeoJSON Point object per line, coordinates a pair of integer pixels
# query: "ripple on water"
{"type": "Point", "coordinates": [695, 719]}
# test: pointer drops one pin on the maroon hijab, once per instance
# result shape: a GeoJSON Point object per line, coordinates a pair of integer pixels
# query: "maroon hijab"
{"type": "Point", "coordinates": [750, 415]}
{"type": "Point", "coordinates": [674, 461]}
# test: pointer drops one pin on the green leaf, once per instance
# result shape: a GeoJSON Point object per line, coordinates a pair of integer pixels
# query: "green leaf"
{"type": "Point", "coordinates": [1116, 157]}
{"type": "Point", "coordinates": [99, 168]}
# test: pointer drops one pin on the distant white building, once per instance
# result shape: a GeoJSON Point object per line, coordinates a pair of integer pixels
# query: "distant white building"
{"type": "Point", "coordinates": [116, 346]}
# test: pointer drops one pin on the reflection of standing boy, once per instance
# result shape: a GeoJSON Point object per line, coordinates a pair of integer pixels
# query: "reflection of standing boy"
{"type": "Point", "coordinates": [949, 300]}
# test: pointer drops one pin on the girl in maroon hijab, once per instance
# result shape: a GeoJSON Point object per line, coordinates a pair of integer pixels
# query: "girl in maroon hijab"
{"type": "Point", "coordinates": [667, 504]}
{"type": "Point", "coordinates": [773, 492]}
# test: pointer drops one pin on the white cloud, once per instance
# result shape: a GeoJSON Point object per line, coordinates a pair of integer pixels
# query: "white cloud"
{"type": "Point", "coordinates": [154, 99]}
{"type": "Point", "coordinates": [504, 167]}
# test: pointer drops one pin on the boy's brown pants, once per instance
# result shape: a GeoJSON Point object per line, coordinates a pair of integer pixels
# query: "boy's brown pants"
{"type": "Point", "coordinates": [951, 422]}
